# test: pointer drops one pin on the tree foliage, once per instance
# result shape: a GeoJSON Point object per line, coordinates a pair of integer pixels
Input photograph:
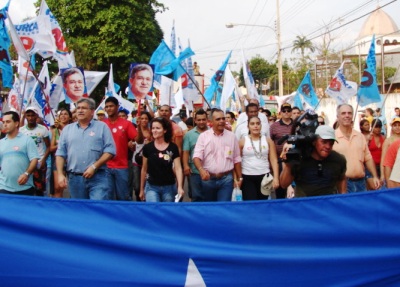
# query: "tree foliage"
{"type": "Point", "coordinates": [105, 32]}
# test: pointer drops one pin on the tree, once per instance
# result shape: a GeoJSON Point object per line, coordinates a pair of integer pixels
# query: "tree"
{"type": "Point", "coordinates": [105, 31]}
{"type": "Point", "coordinates": [302, 43]}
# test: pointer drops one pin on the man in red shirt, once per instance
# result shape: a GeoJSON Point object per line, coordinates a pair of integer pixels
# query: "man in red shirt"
{"type": "Point", "coordinates": [124, 134]}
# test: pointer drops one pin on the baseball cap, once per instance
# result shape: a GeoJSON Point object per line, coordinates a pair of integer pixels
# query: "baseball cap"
{"type": "Point", "coordinates": [101, 112]}
{"type": "Point", "coordinates": [286, 106]}
{"type": "Point", "coordinates": [326, 132]}
{"type": "Point", "coordinates": [397, 119]}
{"type": "Point", "coordinates": [33, 109]}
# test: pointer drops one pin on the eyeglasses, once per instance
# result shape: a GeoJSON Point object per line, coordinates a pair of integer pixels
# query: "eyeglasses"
{"type": "Point", "coordinates": [286, 111]}
{"type": "Point", "coordinates": [320, 171]}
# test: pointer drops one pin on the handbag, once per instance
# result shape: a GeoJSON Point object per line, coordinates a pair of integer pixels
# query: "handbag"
{"type": "Point", "coordinates": [266, 184]}
{"type": "Point", "coordinates": [139, 157]}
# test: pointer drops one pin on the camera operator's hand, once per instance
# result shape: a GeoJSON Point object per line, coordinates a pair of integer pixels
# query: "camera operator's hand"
{"type": "Point", "coordinates": [286, 148]}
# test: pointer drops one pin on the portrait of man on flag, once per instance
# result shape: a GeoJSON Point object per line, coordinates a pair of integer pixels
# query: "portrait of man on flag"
{"type": "Point", "coordinates": [73, 84]}
{"type": "Point", "coordinates": [140, 81]}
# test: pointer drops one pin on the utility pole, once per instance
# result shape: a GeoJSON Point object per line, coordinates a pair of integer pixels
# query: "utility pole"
{"type": "Point", "coordinates": [278, 35]}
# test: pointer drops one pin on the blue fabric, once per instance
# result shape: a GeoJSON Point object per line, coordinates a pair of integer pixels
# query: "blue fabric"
{"type": "Point", "coordinates": [167, 64]}
{"type": "Point", "coordinates": [356, 186]}
{"type": "Point", "coordinates": [83, 147]}
{"type": "Point", "coordinates": [368, 91]}
{"type": "Point", "coordinates": [209, 93]}
{"type": "Point", "coordinates": [305, 94]}
{"type": "Point", "coordinates": [5, 42]}
{"type": "Point", "coordinates": [340, 240]}
{"type": "Point", "coordinates": [15, 157]}
{"type": "Point", "coordinates": [160, 193]}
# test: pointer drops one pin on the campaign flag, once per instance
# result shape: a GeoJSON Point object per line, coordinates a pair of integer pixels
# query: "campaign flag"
{"type": "Point", "coordinates": [212, 89]}
{"type": "Point", "coordinates": [165, 62]}
{"type": "Point", "coordinates": [18, 44]}
{"type": "Point", "coordinates": [92, 79]}
{"type": "Point", "coordinates": [228, 88]}
{"type": "Point", "coordinates": [249, 80]}
{"type": "Point", "coordinates": [188, 89]}
{"type": "Point", "coordinates": [15, 96]}
{"type": "Point", "coordinates": [340, 89]}
{"type": "Point", "coordinates": [111, 87]}
{"type": "Point", "coordinates": [36, 36]}
{"type": "Point", "coordinates": [368, 91]}
{"type": "Point", "coordinates": [5, 42]}
{"type": "Point", "coordinates": [61, 50]}
{"type": "Point", "coordinates": [306, 98]}
{"type": "Point", "coordinates": [40, 96]}
{"type": "Point", "coordinates": [27, 80]}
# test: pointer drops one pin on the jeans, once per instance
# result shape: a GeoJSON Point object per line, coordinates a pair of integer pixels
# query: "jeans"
{"type": "Point", "coordinates": [157, 193]}
{"type": "Point", "coordinates": [118, 184]}
{"type": "Point", "coordinates": [196, 186]}
{"type": "Point", "coordinates": [137, 170]}
{"type": "Point", "coordinates": [218, 189]}
{"type": "Point", "coordinates": [91, 188]}
{"type": "Point", "coordinates": [356, 185]}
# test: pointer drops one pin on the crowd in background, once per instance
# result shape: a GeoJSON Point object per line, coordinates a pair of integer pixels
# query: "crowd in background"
{"type": "Point", "coordinates": [149, 155]}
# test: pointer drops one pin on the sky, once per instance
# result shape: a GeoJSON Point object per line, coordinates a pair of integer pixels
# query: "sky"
{"type": "Point", "coordinates": [203, 24]}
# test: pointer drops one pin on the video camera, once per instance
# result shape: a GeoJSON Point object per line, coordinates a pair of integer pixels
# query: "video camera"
{"type": "Point", "coordinates": [305, 127]}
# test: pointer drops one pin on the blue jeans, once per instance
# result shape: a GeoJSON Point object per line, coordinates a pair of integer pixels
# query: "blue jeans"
{"type": "Point", "coordinates": [356, 185]}
{"type": "Point", "coordinates": [92, 188]}
{"type": "Point", "coordinates": [196, 187]}
{"type": "Point", "coordinates": [157, 193]}
{"type": "Point", "coordinates": [118, 183]}
{"type": "Point", "coordinates": [218, 189]}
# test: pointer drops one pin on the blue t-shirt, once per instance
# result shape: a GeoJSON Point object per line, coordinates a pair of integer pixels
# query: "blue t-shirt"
{"type": "Point", "coordinates": [83, 147]}
{"type": "Point", "coordinates": [15, 157]}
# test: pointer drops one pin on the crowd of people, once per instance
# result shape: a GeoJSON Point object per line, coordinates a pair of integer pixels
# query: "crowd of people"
{"type": "Point", "coordinates": [149, 156]}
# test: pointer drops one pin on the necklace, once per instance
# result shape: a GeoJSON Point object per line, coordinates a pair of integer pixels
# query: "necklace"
{"type": "Point", "coordinates": [256, 153]}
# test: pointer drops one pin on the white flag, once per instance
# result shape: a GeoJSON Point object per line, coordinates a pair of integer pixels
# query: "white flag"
{"type": "Point", "coordinates": [340, 89]}
{"type": "Point", "coordinates": [229, 87]}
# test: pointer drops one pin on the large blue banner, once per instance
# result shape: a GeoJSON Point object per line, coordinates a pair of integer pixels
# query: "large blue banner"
{"type": "Point", "coordinates": [344, 240]}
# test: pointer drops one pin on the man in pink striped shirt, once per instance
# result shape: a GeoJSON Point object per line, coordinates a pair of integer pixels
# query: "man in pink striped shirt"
{"type": "Point", "coordinates": [217, 157]}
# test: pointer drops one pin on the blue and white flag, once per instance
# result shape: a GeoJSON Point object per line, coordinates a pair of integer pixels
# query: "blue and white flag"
{"type": "Point", "coordinates": [112, 88]}
{"type": "Point", "coordinates": [5, 42]}
{"type": "Point", "coordinates": [212, 89]}
{"type": "Point", "coordinates": [228, 89]}
{"type": "Point", "coordinates": [165, 62]}
{"type": "Point", "coordinates": [340, 89]}
{"type": "Point", "coordinates": [305, 97]}
{"type": "Point", "coordinates": [15, 95]}
{"type": "Point", "coordinates": [249, 82]}
{"type": "Point", "coordinates": [39, 99]}
{"type": "Point", "coordinates": [368, 91]}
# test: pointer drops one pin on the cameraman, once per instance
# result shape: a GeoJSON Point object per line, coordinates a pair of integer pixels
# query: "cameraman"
{"type": "Point", "coordinates": [321, 173]}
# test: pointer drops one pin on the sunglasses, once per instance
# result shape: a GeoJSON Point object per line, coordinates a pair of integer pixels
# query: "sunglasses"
{"type": "Point", "coordinates": [286, 111]}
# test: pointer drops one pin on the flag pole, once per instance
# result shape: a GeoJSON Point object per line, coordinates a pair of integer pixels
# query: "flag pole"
{"type": "Point", "coordinates": [23, 91]}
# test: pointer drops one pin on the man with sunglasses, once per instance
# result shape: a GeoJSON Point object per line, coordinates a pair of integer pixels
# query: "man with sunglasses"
{"type": "Point", "coordinates": [322, 173]}
{"type": "Point", "coordinates": [278, 130]}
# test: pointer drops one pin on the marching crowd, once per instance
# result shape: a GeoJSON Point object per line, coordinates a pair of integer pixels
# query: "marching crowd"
{"type": "Point", "coordinates": [150, 157]}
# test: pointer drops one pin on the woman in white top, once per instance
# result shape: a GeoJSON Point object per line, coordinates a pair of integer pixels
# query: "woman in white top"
{"type": "Point", "coordinates": [258, 158]}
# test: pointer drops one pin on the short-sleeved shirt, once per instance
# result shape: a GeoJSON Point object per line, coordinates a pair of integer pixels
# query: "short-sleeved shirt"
{"type": "Point", "coordinates": [277, 131]}
{"type": "Point", "coordinates": [189, 142]}
{"type": "Point", "coordinates": [355, 150]}
{"type": "Point", "coordinates": [122, 131]}
{"type": "Point", "coordinates": [81, 147]}
{"type": "Point", "coordinates": [38, 134]}
{"type": "Point", "coordinates": [314, 178]}
{"type": "Point", "coordinates": [392, 160]}
{"type": "Point", "coordinates": [15, 157]}
{"type": "Point", "coordinates": [160, 163]}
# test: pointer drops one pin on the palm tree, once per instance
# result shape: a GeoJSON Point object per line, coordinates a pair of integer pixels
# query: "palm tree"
{"type": "Point", "coordinates": [302, 43]}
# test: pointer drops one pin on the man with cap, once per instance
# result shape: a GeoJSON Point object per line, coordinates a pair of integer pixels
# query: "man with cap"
{"type": "Point", "coordinates": [40, 135]}
{"type": "Point", "coordinates": [277, 130]}
{"type": "Point", "coordinates": [101, 115]}
{"type": "Point", "coordinates": [321, 173]}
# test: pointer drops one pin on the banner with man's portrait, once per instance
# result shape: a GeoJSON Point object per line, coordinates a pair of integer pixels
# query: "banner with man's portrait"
{"type": "Point", "coordinates": [74, 85]}
{"type": "Point", "coordinates": [141, 77]}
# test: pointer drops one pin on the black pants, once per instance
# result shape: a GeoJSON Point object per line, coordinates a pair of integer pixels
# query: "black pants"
{"type": "Point", "coordinates": [29, 191]}
{"type": "Point", "coordinates": [251, 187]}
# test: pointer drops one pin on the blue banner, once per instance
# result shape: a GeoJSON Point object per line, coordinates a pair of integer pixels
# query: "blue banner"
{"type": "Point", "coordinates": [341, 240]}
{"type": "Point", "coordinates": [368, 91]}
{"type": "Point", "coordinates": [305, 97]}
{"type": "Point", "coordinates": [5, 42]}
{"type": "Point", "coordinates": [212, 89]}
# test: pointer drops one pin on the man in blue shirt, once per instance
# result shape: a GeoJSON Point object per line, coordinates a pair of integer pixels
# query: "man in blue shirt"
{"type": "Point", "coordinates": [18, 158]}
{"type": "Point", "coordinates": [86, 146]}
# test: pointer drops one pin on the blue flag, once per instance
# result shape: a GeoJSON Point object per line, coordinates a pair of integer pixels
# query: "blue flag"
{"type": "Point", "coordinates": [305, 97]}
{"type": "Point", "coordinates": [167, 64]}
{"type": "Point", "coordinates": [209, 93]}
{"type": "Point", "coordinates": [368, 92]}
{"type": "Point", "coordinates": [5, 42]}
